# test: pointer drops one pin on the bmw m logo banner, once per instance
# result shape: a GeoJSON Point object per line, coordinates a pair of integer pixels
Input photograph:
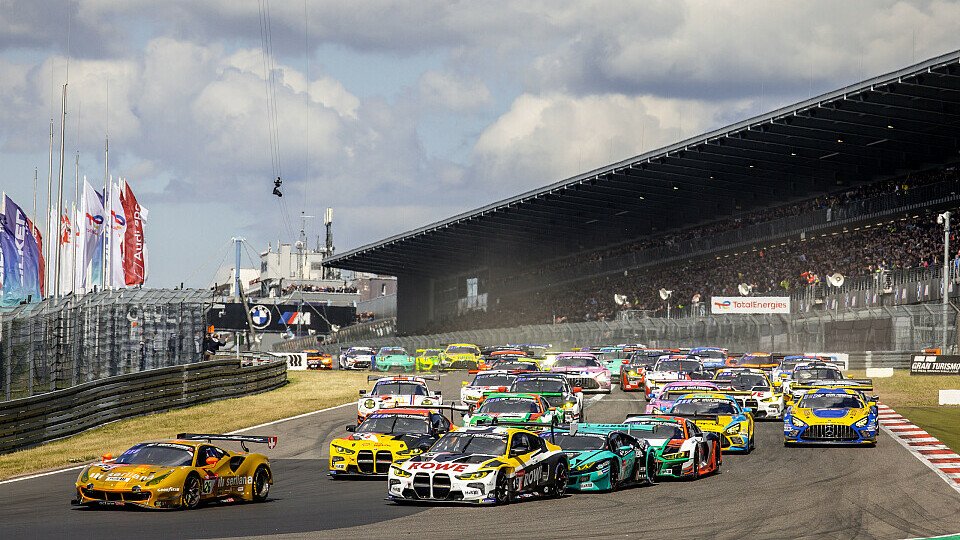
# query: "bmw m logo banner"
{"type": "Point", "coordinates": [298, 319]}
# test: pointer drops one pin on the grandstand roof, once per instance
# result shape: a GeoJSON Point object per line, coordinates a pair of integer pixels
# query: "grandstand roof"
{"type": "Point", "coordinates": [887, 125]}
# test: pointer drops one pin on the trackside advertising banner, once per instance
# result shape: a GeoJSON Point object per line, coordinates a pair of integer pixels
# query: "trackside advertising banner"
{"type": "Point", "coordinates": [935, 365]}
{"type": "Point", "coordinates": [723, 305]}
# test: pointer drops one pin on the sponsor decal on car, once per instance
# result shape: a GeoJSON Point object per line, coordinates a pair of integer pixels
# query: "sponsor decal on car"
{"type": "Point", "coordinates": [433, 465]}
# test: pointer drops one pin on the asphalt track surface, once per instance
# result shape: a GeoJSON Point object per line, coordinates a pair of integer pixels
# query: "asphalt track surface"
{"type": "Point", "coordinates": [775, 492]}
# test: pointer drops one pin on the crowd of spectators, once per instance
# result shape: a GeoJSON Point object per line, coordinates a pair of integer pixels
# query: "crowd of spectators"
{"type": "Point", "coordinates": [906, 242]}
{"type": "Point", "coordinates": [305, 287]}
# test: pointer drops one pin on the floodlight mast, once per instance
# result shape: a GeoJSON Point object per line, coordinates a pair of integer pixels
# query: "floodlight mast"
{"type": "Point", "coordinates": [944, 219]}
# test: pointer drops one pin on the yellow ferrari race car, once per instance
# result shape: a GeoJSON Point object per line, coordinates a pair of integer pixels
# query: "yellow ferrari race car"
{"type": "Point", "coordinates": [720, 414]}
{"type": "Point", "coordinates": [384, 437]}
{"type": "Point", "coordinates": [180, 473]}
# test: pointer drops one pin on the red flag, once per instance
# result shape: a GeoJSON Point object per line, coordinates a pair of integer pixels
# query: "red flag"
{"type": "Point", "coordinates": [41, 263]}
{"type": "Point", "coordinates": [134, 247]}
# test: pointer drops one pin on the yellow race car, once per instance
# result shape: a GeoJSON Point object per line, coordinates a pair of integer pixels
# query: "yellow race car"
{"type": "Point", "coordinates": [832, 416]}
{"type": "Point", "coordinates": [481, 465]}
{"type": "Point", "coordinates": [721, 414]}
{"type": "Point", "coordinates": [460, 356]}
{"type": "Point", "coordinates": [384, 437]}
{"type": "Point", "coordinates": [428, 359]}
{"type": "Point", "coordinates": [180, 473]}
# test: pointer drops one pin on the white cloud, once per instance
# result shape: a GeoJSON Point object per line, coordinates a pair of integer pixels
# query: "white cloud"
{"type": "Point", "coordinates": [451, 92]}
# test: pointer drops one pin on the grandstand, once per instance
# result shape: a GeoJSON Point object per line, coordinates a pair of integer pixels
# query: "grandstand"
{"type": "Point", "coordinates": [841, 183]}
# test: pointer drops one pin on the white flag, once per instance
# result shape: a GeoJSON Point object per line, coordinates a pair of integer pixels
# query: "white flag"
{"type": "Point", "coordinates": [92, 235]}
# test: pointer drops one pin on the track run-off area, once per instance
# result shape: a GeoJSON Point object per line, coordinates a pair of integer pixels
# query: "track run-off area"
{"type": "Point", "coordinates": [774, 492]}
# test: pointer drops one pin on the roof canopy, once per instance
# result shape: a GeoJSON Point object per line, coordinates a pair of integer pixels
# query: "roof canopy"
{"type": "Point", "coordinates": [880, 127]}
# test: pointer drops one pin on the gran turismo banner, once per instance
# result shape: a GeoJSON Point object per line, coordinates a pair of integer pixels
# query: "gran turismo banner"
{"type": "Point", "coordinates": [723, 305]}
{"type": "Point", "coordinates": [935, 365]}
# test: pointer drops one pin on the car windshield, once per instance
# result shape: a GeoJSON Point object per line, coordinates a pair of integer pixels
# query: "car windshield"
{"type": "Point", "coordinates": [162, 454]}
{"type": "Point", "coordinates": [678, 365]}
{"type": "Point", "coordinates": [394, 423]}
{"type": "Point", "coordinates": [462, 350]}
{"type": "Point", "coordinates": [674, 395]}
{"type": "Point", "coordinates": [711, 354]}
{"type": "Point", "coordinates": [788, 365]}
{"type": "Point", "coordinates": [725, 375]}
{"type": "Point", "coordinates": [830, 401]}
{"type": "Point", "coordinates": [817, 374]}
{"type": "Point", "coordinates": [386, 352]}
{"type": "Point", "coordinates": [704, 406]}
{"type": "Point", "coordinates": [747, 381]}
{"type": "Point", "coordinates": [494, 379]}
{"type": "Point", "coordinates": [491, 444]}
{"type": "Point", "coordinates": [537, 385]}
{"type": "Point", "coordinates": [397, 388]}
{"type": "Point", "coordinates": [509, 406]}
{"type": "Point", "coordinates": [517, 366]}
{"type": "Point", "coordinates": [661, 430]}
{"type": "Point", "coordinates": [580, 441]}
{"type": "Point", "coordinates": [430, 352]}
{"type": "Point", "coordinates": [576, 361]}
{"type": "Point", "coordinates": [361, 351]}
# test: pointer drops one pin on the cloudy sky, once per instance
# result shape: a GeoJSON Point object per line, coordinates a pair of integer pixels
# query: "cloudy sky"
{"type": "Point", "coordinates": [397, 114]}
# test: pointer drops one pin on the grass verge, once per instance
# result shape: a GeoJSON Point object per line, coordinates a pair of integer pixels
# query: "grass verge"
{"type": "Point", "coordinates": [916, 397]}
{"type": "Point", "coordinates": [306, 391]}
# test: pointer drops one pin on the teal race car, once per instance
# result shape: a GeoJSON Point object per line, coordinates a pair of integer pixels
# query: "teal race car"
{"type": "Point", "coordinates": [510, 408]}
{"type": "Point", "coordinates": [603, 457]}
{"type": "Point", "coordinates": [394, 359]}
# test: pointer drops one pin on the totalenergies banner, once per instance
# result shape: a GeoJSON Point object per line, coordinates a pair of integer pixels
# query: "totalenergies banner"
{"type": "Point", "coordinates": [722, 305]}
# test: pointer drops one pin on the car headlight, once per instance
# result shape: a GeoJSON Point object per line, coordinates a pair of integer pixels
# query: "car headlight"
{"type": "Point", "coordinates": [569, 404]}
{"type": "Point", "coordinates": [734, 429]}
{"type": "Point", "coordinates": [343, 449]}
{"type": "Point", "coordinates": [601, 466]}
{"type": "Point", "coordinates": [797, 422]}
{"type": "Point", "coordinates": [632, 373]}
{"type": "Point", "coordinates": [863, 422]}
{"type": "Point", "coordinates": [397, 471]}
{"type": "Point", "coordinates": [677, 455]}
{"type": "Point", "coordinates": [474, 475]}
{"type": "Point", "coordinates": [426, 402]}
{"type": "Point", "coordinates": [369, 404]}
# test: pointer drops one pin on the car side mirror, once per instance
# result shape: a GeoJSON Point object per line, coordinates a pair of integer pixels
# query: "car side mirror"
{"type": "Point", "coordinates": [363, 392]}
{"type": "Point", "coordinates": [438, 392]}
{"type": "Point", "coordinates": [424, 446]}
{"type": "Point", "coordinates": [464, 383]}
{"type": "Point", "coordinates": [211, 461]}
{"type": "Point", "coordinates": [747, 410]}
{"type": "Point", "coordinates": [577, 389]}
{"type": "Point", "coordinates": [351, 428]}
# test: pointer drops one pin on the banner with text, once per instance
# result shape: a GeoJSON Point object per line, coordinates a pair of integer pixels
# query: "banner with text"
{"type": "Point", "coordinates": [935, 365]}
{"type": "Point", "coordinates": [722, 305]}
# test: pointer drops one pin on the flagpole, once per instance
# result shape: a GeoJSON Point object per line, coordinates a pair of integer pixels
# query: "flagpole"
{"type": "Point", "coordinates": [63, 122]}
{"type": "Point", "coordinates": [49, 207]}
{"type": "Point", "coordinates": [106, 221]}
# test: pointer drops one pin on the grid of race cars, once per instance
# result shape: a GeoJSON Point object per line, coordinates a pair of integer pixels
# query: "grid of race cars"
{"type": "Point", "coordinates": [519, 428]}
{"type": "Point", "coordinates": [523, 429]}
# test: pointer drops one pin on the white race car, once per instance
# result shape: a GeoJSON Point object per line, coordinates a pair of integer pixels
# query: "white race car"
{"type": "Point", "coordinates": [357, 358]}
{"type": "Point", "coordinates": [389, 392]}
{"type": "Point", "coordinates": [485, 381]}
{"type": "Point", "coordinates": [752, 388]}
{"type": "Point", "coordinates": [481, 465]}
{"type": "Point", "coordinates": [671, 368]}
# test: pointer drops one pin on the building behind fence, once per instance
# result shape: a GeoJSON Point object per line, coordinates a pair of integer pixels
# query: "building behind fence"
{"type": "Point", "coordinates": [59, 343]}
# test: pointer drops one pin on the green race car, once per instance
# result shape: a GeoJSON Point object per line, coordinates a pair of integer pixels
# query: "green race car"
{"type": "Point", "coordinates": [604, 457]}
{"type": "Point", "coordinates": [428, 359]}
{"type": "Point", "coordinates": [510, 408]}
{"type": "Point", "coordinates": [394, 359]}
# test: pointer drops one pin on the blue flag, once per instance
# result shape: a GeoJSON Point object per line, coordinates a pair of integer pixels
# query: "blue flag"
{"type": "Point", "coordinates": [22, 259]}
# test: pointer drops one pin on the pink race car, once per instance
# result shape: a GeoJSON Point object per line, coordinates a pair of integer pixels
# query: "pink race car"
{"type": "Point", "coordinates": [584, 370]}
{"type": "Point", "coordinates": [663, 401]}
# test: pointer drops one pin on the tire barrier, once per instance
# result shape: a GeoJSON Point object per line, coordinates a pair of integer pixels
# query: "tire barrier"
{"type": "Point", "coordinates": [34, 420]}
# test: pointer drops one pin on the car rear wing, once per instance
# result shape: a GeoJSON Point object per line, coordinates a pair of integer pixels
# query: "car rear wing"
{"type": "Point", "coordinates": [711, 417]}
{"type": "Point", "coordinates": [426, 377]}
{"type": "Point", "coordinates": [459, 408]}
{"type": "Point", "coordinates": [270, 441]}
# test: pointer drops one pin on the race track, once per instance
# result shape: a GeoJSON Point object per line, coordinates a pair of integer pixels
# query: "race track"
{"type": "Point", "coordinates": [774, 492]}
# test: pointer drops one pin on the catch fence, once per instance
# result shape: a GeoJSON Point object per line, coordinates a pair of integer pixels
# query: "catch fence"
{"type": "Point", "coordinates": [62, 342]}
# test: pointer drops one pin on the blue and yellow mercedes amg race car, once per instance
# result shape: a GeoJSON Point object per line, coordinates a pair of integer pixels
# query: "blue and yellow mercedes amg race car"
{"type": "Point", "coordinates": [603, 457]}
{"type": "Point", "coordinates": [832, 416]}
{"type": "Point", "coordinates": [720, 414]}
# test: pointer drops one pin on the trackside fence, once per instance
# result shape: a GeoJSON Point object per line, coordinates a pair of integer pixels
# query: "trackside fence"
{"type": "Point", "coordinates": [34, 420]}
{"type": "Point", "coordinates": [887, 328]}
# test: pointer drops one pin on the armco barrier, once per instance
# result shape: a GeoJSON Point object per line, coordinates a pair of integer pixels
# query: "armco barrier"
{"type": "Point", "coordinates": [34, 420]}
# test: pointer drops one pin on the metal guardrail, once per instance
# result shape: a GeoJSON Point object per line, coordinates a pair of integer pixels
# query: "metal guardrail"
{"type": "Point", "coordinates": [34, 420]}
